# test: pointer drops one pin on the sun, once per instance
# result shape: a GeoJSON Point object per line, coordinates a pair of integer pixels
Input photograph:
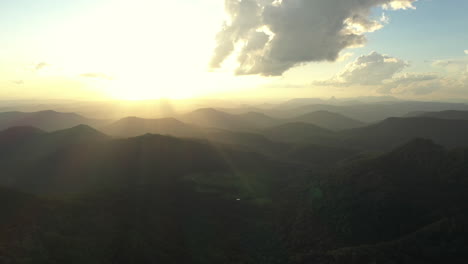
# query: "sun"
{"type": "Point", "coordinates": [148, 49]}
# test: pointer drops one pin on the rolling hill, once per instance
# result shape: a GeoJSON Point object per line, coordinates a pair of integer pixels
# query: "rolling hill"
{"type": "Point", "coordinates": [389, 209]}
{"type": "Point", "coordinates": [450, 114]}
{"type": "Point", "coordinates": [46, 120]}
{"type": "Point", "coordinates": [159, 198]}
{"type": "Point", "coordinates": [133, 126]}
{"type": "Point", "coordinates": [328, 120]}
{"type": "Point", "coordinates": [209, 117]}
{"type": "Point", "coordinates": [396, 131]}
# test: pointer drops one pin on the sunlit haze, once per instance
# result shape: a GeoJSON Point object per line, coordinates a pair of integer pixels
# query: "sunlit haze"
{"type": "Point", "coordinates": [151, 49]}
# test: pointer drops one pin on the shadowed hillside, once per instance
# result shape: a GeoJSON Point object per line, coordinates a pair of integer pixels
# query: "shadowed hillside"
{"type": "Point", "coordinates": [387, 209]}
{"type": "Point", "coordinates": [289, 193]}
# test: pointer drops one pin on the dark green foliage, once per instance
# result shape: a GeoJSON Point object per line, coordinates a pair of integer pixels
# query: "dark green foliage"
{"type": "Point", "coordinates": [407, 206]}
{"type": "Point", "coordinates": [79, 196]}
{"type": "Point", "coordinates": [141, 200]}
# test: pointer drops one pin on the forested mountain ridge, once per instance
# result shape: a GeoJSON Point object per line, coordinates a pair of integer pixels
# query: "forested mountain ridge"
{"type": "Point", "coordinates": [288, 193]}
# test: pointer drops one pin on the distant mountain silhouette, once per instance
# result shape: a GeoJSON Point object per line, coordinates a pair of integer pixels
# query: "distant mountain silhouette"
{"type": "Point", "coordinates": [367, 112]}
{"type": "Point", "coordinates": [133, 126]}
{"type": "Point", "coordinates": [259, 120]}
{"type": "Point", "coordinates": [90, 153]}
{"type": "Point", "coordinates": [45, 120]}
{"type": "Point", "coordinates": [329, 120]}
{"type": "Point", "coordinates": [450, 114]}
{"type": "Point", "coordinates": [77, 133]}
{"type": "Point", "coordinates": [246, 122]}
{"type": "Point", "coordinates": [297, 102]}
{"type": "Point", "coordinates": [395, 131]}
{"type": "Point", "coordinates": [209, 117]}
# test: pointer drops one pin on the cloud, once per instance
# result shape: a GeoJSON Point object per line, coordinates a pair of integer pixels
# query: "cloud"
{"type": "Point", "coordinates": [274, 36]}
{"type": "Point", "coordinates": [382, 73]}
{"type": "Point", "coordinates": [96, 75]}
{"type": "Point", "coordinates": [384, 19]}
{"type": "Point", "coordinates": [41, 65]}
{"type": "Point", "coordinates": [466, 52]}
{"type": "Point", "coordinates": [453, 66]}
{"type": "Point", "coordinates": [399, 4]}
{"type": "Point", "coordinates": [370, 69]}
{"type": "Point", "coordinates": [412, 83]}
{"type": "Point", "coordinates": [18, 82]}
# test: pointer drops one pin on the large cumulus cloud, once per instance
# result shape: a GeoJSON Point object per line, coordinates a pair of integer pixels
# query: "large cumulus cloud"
{"type": "Point", "coordinates": [273, 35]}
{"type": "Point", "coordinates": [383, 73]}
{"type": "Point", "coordinates": [413, 83]}
{"type": "Point", "coordinates": [371, 69]}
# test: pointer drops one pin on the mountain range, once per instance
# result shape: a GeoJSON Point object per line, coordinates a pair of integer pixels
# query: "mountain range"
{"type": "Point", "coordinates": [215, 187]}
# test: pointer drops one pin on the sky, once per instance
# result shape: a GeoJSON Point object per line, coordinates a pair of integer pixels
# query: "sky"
{"type": "Point", "coordinates": [149, 49]}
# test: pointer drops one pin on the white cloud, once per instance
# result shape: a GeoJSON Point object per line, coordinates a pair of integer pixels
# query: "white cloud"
{"type": "Point", "coordinates": [399, 4]}
{"type": "Point", "coordinates": [41, 65]}
{"type": "Point", "coordinates": [278, 35]}
{"type": "Point", "coordinates": [370, 69]}
{"type": "Point", "coordinates": [452, 66]}
{"type": "Point", "coordinates": [18, 82]}
{"type": "Point", "coordinates": [382, 73]}
{"type": "Point", "coordinates": [412, 83]}
{"type": "Point", "coordinates": [96, 75]}
{"type": "Point", "coordinates": [384, 19]}
{"type": "Point", "coordinates": [466, 52]}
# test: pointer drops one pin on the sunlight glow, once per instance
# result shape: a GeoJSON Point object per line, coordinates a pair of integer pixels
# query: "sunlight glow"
{"type": "Point", "coordinates": [146, 50]}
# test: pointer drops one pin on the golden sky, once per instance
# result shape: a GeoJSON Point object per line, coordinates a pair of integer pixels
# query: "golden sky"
{"type": "Point", "coordinates": [148, 49]}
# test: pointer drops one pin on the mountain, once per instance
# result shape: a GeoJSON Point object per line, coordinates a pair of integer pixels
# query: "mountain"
{"type": "Point", "coordinates": [259, 120]}
{"type": "Point", "coordinates": [144, 199]}
{"type": "Point", "coordinates": [329, 120]}
{"type": "Point", "coordinates": [297, 102]}
{"type": "Point", "coordinates": [297, 132]}
{"type": "Point", "coordinates": [45, 120]}
{"type": "Point", "coordinates": [368, 112]}
{"type": "Point", "coordinates": [88, 157]}
{"type": "Point", "coordinates": [450, 114]}
{"type": "Point", "coordinates": [32, 145]}
{"type": "Point", "coordinates": [246, 141]}
{"type": "Point", "coordinates": [156, 198]}
{"type": "Point", "coordinates": [245, 122]}
{"type": "Point", "coordinates": [209, 117]}
{"type": "Point", "coordinates": [388, 209]}
{"type": "Point", "coordinates": [133, 126]}
{"type": "Point", "coordinates": [396, 131]}
{"type": "Point", "coordinates": [318, 155]}
{"type": "Point", "coordinates": [15, 135]}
